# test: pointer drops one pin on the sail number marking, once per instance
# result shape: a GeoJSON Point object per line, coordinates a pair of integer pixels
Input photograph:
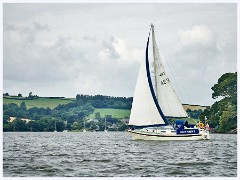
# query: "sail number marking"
{"type": "Point", "coordinates": [165, 81]}
{"type": "Point", "coordinates": [163, 73]}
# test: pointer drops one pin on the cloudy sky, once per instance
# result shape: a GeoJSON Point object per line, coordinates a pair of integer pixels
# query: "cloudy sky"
{"type": "Point", "coordinates": [69, 49]}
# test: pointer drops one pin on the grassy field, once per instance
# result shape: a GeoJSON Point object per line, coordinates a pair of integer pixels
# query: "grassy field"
{"type": "Point", "coordinates": [117, 113]}
{"type": "Point", "coordinates": [40, 102]}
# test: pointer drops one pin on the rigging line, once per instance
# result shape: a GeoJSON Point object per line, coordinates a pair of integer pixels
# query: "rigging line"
{"type": "Point", "coordinates": [171, 70]}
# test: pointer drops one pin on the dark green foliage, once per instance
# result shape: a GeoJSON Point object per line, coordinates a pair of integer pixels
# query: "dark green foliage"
{"type": "Point", "coordinates": [195, 114]}
{"type": "Point", "coordinates": [44, 119]}
{"type": "Point", "coordinates": [226, 87]}
{"type": "Point", "coordinates": [97, 115]}
{"type": "Point", "coordinates": [19, 125]}
{"type": "Point", "coordinates": [100, 101]}
{"type": "Point", "coordinates": [223, 113]}
{"type": "Point", "coordinates": [23, 106]}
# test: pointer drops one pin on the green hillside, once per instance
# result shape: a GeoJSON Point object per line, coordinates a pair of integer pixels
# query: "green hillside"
{"type": "Point", "coordinates": [39, 103]}
{"type": "Point", "coordinates": [115, 113]}
{"type": "Point", "coordinates": [52, 103]}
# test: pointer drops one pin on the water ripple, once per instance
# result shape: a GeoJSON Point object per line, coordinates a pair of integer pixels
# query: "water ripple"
{"type": "Point", "coordinates": [114, 154]}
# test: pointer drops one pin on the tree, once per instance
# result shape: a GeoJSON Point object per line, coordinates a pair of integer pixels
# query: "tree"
{"type": "Point", "coordinates": [78, 97]}
{"type": "Point", "coordinates": [20, 125]}
{"type": "Point", "coordinates": [19, 95]}
{"type": "Point", "coordinates": [223, 113]}
{"type": "Point", "coordinates": [97, 115]}
{"type": "Point", "coordinates": [226, 86]}
{"type": "Point", "coordinates": [23, 106]}
{"type": "Point", "coordinates": [30, 95]}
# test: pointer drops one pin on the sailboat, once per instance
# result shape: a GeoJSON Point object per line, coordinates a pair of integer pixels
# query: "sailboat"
{"type": "Point", "coordinates": [55, 127]}
{"type": "Point", "coordinates": [155, 100]}
{"type": "Point", "coordinates": [105, 129]}
{"type": "Point", "coordinates": [65, 130]}
{"type": "Point", "coordinates": [84, 130]}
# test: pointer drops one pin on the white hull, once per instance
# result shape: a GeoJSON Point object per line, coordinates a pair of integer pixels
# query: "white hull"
{"type": "Point", "coordinates": [138, 135]}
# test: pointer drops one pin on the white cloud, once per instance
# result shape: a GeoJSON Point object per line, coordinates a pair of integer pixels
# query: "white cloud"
{"type": "Point", "coordinates": [201, 35]}
{"type": "Point", "coordinates": [199, 61]}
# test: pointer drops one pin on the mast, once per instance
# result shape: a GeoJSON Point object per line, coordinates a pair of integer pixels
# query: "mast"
{"type": "Point", "coordinates": [55, 126]}
{"type": "Point", "coordinates": [105, 124]}
{"type": "Point", "coordinates": [154, 59]}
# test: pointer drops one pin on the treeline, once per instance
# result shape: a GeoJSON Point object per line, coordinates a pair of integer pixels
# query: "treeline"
{"type": "Point", "coordinates": [223, 113]}
{"type": "Point", "coordinates": [100, 101]}
{"type": "Point", "coordinates": [195, 114]}
{"type": "Point", "coordinates": [70, 116]}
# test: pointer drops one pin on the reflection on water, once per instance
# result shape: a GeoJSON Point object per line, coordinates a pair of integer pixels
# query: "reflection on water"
{"type": "Point", "coordinates": [114, 154]}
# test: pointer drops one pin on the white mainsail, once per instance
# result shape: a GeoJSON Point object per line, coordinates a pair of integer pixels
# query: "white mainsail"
{"type": "Point", "coordinates": [144, 111]}
{"type": "Point", "coordinates": [167, 97]}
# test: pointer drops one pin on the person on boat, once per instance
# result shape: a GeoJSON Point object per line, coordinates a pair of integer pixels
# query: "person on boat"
{"type": "Point", "coordinates": [207, 126]}
{"type": "Point", "coordinates": [201, 125]}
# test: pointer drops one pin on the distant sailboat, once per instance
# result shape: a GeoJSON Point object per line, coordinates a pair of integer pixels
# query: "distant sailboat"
{"type": "Point", "coordinates": [84, 130]}
{"type": "Point", "coordinates": [105, 129]}
{"type": "Point", "coordinates": [154, 102]}
{"type": "Point", "coordinates": [55, 127]}
{"type": "Point", "coordinates": [65, 130]}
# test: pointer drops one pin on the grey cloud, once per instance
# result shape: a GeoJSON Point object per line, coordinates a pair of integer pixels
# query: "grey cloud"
{"type": "Point", "coordinates": [9, 27]}
{"type": "Point", "coordinates": [26, 33]}
{"type": "Point", "coordinates": [38, 63]}
{"type": "Point", "coordinates": [41, 27]}
{"type": "Point", "coordinates": [200, 63]}
{"type": "Point", "coordinates": [89, 38]}
{"type": "Point", "coordinates": [109, 47]}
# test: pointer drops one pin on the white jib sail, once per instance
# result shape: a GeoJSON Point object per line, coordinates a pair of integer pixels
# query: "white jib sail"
{"type": "Point", "coordinates": [144, 111]}
{"type": "Point", "coordinates": [167, 97]}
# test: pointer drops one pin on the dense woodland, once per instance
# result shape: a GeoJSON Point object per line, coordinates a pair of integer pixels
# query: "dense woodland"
{"type": "Point", "coordinates": [74, 113]}
{"type": "Point", "coordinates": [222, 115]}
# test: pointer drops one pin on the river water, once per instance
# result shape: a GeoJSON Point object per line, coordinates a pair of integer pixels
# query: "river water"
{"type": "Point", "coordinates": [114, 154]}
